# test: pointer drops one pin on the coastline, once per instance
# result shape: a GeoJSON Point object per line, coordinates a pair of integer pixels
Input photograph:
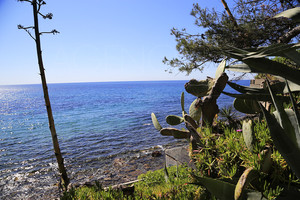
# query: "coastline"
{"type": "Point", "coordinates": [117, 170]}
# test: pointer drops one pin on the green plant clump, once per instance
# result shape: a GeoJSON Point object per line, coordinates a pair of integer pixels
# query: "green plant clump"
{"type": "Point", "coordinates": [153, 185]}
{"type": "Point", "coordinates": [225, 161]}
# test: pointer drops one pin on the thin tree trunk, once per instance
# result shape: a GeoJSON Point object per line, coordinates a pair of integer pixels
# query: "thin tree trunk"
{"type": "Point", "coordinates": [59, 158]}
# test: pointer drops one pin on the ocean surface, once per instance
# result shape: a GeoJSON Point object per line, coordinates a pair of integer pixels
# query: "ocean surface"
{"type": "Point", "coordinates": [95, 123]}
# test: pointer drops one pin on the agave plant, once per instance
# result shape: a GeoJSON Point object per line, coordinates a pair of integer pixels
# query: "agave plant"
{"type": "Point", "coordinates": [228, 112]}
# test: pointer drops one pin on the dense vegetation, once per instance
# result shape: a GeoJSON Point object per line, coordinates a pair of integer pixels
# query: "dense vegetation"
{"type": "Point", "coordinates": [249, 24]}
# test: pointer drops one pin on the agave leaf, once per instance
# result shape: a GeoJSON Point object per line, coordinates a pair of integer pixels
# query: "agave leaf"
{"type": "Point", "coordinates": [223, 190]}
{"type": "Point", "coordinates": [244, 180]}
{"type": "Point", "coordinates": [295, 108]}
{"type": "Point", "coordinates": [263, 65]}
{"type": "Point", "coordinates": [247, 106]}
{"type": "Point", "coordinates": [174, 120]}
{"type": "Point", "coordinates": [282, 117]}
{"type": "Point", "coordinates": [293, 87]}
{"type": "Point", "coordinates": [254, 96]}
{"type": "Point", "coordinates": [155, 122]}
{"type": "Point", "coordinates": [272, 50]}
{"type": "Point", "coordinates": [287, 148]}
{"type": "Point", "coordinates": [244, 89]}
{"type": "Point", "coordinates": [220, 69]}
{"type": "Point", "coordinates": [294, 122]}
{"type": "Point", "coordinates": [293, 13]}
{"type": "Point", "coordinates": [293, 55]}
{"type": "Point", "coordinates": [243, 68]}
{"type": "Point", "coordinates": [220, 189]}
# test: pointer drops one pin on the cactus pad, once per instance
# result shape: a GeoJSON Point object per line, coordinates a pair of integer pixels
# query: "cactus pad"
{"type": "Point", "coordinates": [195, 112]}
{"type": "Point", "coordinates": [174, 120]}
{"type": "Point", "coordinates": [155, 122]}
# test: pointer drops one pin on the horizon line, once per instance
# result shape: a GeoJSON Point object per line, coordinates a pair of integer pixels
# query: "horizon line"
{"type": "Point", "coordinates": [19, 84]}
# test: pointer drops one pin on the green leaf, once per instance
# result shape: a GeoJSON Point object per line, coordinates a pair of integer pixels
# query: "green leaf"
{"type": "Point", "coordinates": [283, 143]}
{"type": "Point", "coordinates": [190, 120]}
{"type": "Point", "coordinates": [295, 108]}
{"type": "Point", "coordinates": [220, 189]}
{"type": "Point", "coordinates": [257, 97]}
{"type": "Point", "coordinates": [243, 68]}
{"type": "Point", "coordinates": [223, 190]}
{"type": "Point", "coordinates": [176, 133]}
{"type": "Point", "coordinates": [244, 89]}
{"type": "Point", "coordinates": [267, 161]}
{"type": "Point", "coordinates": [272, 50]}
{"type": "Point", "coordinates": [174, 120]}
{"type": "Point", "coordinates": [282, 117]}
{"type": "Point", "coordinates": [293, 13]}
{"type": "Point", "coordinates": [244, 180]}
{"type": "Point", "coordinates": [195, 112]}
{"type": "Point", "coordinates": [155, 122]}
{"type": "Point", "coordinates": [294, 123]}
{"type": "Point", "coordinates": [293, 55]}
{"type": "Point", "coordinates": [264, 65]}
{"type": "Point", "coordinates": [182, 103]}
{"type": "Point", "coordinates": [293, 87]}
{"type": "Point", "coordinates": [166, 131]}
{"type": "Point", "coordinates": [248, 106]}
{"type": "Point", "coordinates": [220, 69]}
{"type": "Point", "coordinates": [248, 134]}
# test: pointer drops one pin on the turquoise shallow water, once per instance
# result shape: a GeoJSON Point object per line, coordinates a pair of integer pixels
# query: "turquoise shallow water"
{"type": "Point", "coordinates": [94, 122]}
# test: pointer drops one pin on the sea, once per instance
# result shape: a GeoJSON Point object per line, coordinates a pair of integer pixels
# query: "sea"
{"type": "Point", "coordinates": [96, 123]}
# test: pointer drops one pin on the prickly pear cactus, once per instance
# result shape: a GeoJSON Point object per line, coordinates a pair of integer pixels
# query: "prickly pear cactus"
{"type": "Point", "coordinates": [195, 111]}
{"type": "Point", "coordinates": [174, 120]}
{"type": "Point", "coordinates": [155, 122]}
{"type": "Point", "coordinates": [248, 134]}
{"type": "Point", "coordinates": [208, 104]}
{"type": "Point", "coordinates": [199, 88]}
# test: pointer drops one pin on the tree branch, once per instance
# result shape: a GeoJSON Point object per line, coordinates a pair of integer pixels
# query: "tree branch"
{"type": "Point", "coordinates": [49, 15]}
{"type": "Point", "coordinates": [26, 29]}
{"type": "Point", "coordinates": [25, 0]}
{"type": "Point", "coordinates": [286, 38]}
{"type": "Point", "coordinates": [53, 32]}
{"type": "Point", "coordinates": [229, 13]}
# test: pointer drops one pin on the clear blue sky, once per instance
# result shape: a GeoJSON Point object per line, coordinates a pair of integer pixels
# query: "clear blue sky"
{"type": "Point", "coordinates": [99, 40]}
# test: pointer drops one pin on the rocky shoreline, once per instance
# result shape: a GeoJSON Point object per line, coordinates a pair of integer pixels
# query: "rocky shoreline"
{"type": "Point", "coordinates": [109, 171]}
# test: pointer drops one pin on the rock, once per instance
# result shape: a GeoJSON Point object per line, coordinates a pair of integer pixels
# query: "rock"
{"type": "Point", "coordinates": [156, 154]}
{"type": "Point", "coordinates": [178, 156]}
{"type": "Point", "coordinates": [119, 162]}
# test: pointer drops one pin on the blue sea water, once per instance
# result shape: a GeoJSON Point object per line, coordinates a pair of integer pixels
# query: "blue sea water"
{"type": "Point", "coordinates": [94, 121]}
